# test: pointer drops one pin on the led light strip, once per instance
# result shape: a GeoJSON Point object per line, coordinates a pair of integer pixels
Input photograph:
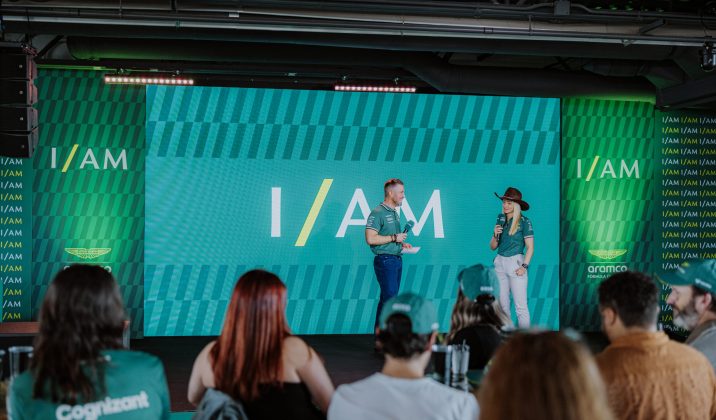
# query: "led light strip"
{"type": "Point", "coordinates": [143, 80]}
{"type": "Point", "coordinates": [393, 89]}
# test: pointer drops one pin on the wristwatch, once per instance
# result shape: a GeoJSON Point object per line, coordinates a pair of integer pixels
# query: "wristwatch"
{"type": "Point", "coordinates": [525, 266]}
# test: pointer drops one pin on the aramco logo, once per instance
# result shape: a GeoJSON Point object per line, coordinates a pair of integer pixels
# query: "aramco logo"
{"type": "Point", "coordinates": [601, 270]}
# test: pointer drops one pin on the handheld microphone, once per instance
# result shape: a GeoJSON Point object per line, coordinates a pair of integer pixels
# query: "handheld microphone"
{"type": "Point", "coordinates": [408, 226]}
{"type": "Point", "coordinates": [502, 221]}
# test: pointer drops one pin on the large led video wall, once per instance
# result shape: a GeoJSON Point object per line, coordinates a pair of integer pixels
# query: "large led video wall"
{"type": "Point", "coordinates": [178, 191]}
{"type": "Point", "coordinates": [285, 179]}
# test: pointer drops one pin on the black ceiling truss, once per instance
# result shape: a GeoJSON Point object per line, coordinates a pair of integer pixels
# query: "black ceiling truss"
{"type": "Point", "coordinates": [562, 48]}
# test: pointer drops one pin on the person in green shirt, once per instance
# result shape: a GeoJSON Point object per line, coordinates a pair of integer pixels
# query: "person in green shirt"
{"type": "Point", "coordinates": [513, 238]}
{"type": "Point", "coordinates": [387, 240]}
{"type": "Point", "coordinates": [78, 369]}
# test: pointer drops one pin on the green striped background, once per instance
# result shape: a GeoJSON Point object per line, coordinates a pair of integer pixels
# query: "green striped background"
{"type": "Point", "coordinates": [269, 123]}
{"type": "Point", "coordinates": [603, 213]}
{"type": "Point", "coordinates": [89, 208]}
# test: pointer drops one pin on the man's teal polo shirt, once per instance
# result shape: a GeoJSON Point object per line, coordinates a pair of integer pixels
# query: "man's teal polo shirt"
{"type": "Point", "coordinates": [385, 221]}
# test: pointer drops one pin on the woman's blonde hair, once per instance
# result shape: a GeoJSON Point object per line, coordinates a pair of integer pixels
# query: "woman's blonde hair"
{"type": "Point", "coordinates": [484, 310]}
{"type": "Point", "coordinates": [516, 217]}
{"type": "Point", "coordinates": [543, 376]}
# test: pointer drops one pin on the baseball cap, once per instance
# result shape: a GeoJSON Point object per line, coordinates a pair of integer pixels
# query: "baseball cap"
{"type": "Point", "coordinates": [697, 273]}
{"type": "Point", "coordinates": [478, 280]}
{"type": "Point", "coordinates": [420, 311]}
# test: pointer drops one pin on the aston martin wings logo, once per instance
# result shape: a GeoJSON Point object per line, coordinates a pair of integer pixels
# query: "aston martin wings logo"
{"type": "Point", "coordinates": [88, 253]}
{"type": "Point", "coordinates": [607, 254]}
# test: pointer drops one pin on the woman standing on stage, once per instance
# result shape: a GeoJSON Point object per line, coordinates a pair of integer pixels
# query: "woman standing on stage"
{"type": "Point", "coordinates": [513, 239]}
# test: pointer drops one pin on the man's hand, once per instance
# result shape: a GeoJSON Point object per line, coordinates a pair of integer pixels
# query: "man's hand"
{"type": "Point", "coordinates": [400, 237]}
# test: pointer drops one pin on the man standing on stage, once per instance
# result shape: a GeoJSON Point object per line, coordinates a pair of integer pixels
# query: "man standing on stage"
{"type": "Point", "coordinates": [387, 240]}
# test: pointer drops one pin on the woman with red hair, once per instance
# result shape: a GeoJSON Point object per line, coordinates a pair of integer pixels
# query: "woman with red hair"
{"type": "Point", "coordinates": [257, 361]}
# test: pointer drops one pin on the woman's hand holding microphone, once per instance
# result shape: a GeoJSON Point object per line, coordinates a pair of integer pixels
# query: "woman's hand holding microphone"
{"type": "Point", "coordinates": [498, 231]}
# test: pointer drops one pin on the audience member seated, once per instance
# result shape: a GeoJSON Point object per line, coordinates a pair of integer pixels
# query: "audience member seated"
{"type": "Point", "coordinates": [543, 376]}
{"type": "Point", "coordinates": [78, 368]}
{"type": "Point", "coordinates": [257, 361]}
{"type": "Point", "coordinates": [407, 331]}
{"type": "Point", "coordinates": [693, 301]}
{"type": "Point", "coordinates": [648, 376]}
{"type": "Point", "coordinates": [477, 318]}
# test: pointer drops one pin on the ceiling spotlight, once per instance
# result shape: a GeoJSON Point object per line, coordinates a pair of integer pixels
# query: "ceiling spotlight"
{"type": "Point", "coordinates": [707, 54]}
{"type": "Point", "coordinates": [374, 88]}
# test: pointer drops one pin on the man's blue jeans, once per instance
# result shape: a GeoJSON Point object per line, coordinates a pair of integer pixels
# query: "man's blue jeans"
{"type": "Point", "coordinates": [388, 269]}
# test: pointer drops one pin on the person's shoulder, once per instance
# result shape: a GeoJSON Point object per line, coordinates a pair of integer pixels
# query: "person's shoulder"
{"type": "Point", "coordinates": [296, 351]}
{"type": "Point", "coordinates": [485, 329]}
{"type": "Point", "coordinates": [466, 400]}
{"type": "Point", "coordinates": [680, 347]}
{"type": "Point", "coordinates": [688, 354]}
{"type": "Point", "coordinates": [22, 385]}
{"type": "Point", "coordinates": [610, 351]}
{"type": "Point", "coordinates": [124, 354]}
{"type": "Point", "coordinates": [468, 334]}
{"type": "Point", "coordinates": [19, 401]}
{"type": "Point", "coordinates": [352, 400]}
{"type": "Point", "coordinates": [705, 343]}
{"type": "Point", "coordinates": [462, 334]}
{"type": "Point", "coordinates": [606, 358]}
{"type": "Point", "coordinates": [208, 347]}
{"type": "Point", "coordinates": [708, 334]}
{"type": "Point", "coordinates": [294, 343]}
{"type": "Point", "coordinates": [450, 395]}
{"type": "Point", "coordinates": [131, 358]}
{"type": "Point", "coordinates": [379, 209]}
{"type": "Point", "coordinates": [476, 332]}
{"type": "Point", "coordinates": [376, 215]}
{"type": "Point", "coordinates": [370, 383]}
{"type": "Point", "coordinates": [456, 404]}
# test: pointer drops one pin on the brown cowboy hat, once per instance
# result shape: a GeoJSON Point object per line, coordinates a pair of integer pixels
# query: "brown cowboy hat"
{"type": "Point", "coordinates": [513, 194]}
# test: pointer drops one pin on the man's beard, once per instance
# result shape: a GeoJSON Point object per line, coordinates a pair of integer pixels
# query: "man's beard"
{"type": "Point", "coordinates": [687, 318]}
